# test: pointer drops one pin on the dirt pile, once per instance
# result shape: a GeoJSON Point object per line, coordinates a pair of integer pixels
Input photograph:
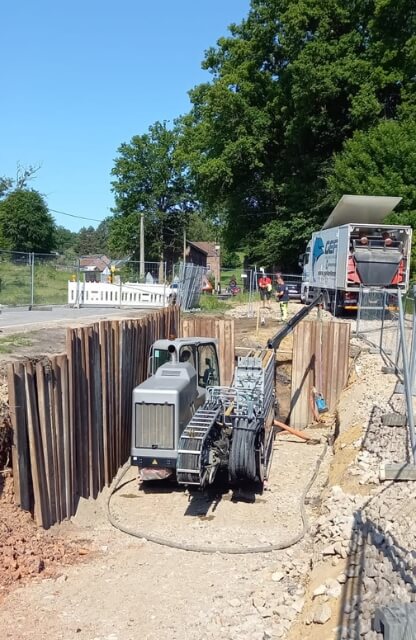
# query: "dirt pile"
{"type": "Point", "coordinates": [25, 550]}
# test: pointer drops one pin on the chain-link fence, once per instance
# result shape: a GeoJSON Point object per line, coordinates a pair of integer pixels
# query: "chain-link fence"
{"type": "Point", "coordinates": [387, 322]}
{"type": "Point", "coordinates": [35, 279]}
{"type": "Point", "coordinates": [28, 279]}
{"type": "Point", "coordinates": [378, 321]}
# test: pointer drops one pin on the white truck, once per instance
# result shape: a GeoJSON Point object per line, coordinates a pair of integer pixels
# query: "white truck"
{"type": "Point", "coordinates": [355, 249]}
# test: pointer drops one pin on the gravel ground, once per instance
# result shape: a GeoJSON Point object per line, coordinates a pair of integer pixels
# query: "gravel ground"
{"type": "Point", "coordinates": [159, 592]}
{"type": "Point", "coordinates": [358, 554]}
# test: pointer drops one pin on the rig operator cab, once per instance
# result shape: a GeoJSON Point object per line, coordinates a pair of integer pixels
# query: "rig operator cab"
{"type": "Point", "coordinates": [355, 249]}
{"type": "Point", "coordinates": [187, 426]}
{"type": "Point", "coordinates": [180, 372]}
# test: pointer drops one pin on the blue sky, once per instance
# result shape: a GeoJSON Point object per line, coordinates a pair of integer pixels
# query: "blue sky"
{"type": "Point", "coordinates": [81, 76]}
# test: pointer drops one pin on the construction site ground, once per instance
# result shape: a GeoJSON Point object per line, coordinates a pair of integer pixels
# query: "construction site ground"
{"type": "Point", "coordinates": [84, 579]}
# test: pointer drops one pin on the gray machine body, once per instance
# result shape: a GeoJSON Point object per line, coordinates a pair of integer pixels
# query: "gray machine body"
{"type": "Point", "coordinates": [164, 404]}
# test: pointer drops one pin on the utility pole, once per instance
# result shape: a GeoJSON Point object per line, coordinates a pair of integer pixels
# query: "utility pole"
{"type": "Point", "coordinates": [141, 268]}
{"type": "Point", "coordinates": [184, 245]}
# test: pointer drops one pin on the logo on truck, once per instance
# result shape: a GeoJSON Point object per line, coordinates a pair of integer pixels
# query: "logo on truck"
{"type": "Point", "coordinates": [320, 248]}
{"type": "Point", "coordinates": [317, 252]}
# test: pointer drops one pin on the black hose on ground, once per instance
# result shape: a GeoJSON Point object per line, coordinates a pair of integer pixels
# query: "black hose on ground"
{"type": "Point", "coordinates": [216, 549]}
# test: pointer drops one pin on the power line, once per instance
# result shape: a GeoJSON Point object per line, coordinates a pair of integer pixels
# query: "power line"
{"type": "Point", "coordinates": [71, 215]}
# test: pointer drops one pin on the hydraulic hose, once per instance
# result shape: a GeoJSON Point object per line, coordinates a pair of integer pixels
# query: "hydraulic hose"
{"type": "Point", "coordinates": [295, 432]}
{"type": "Point", "coordinates": [242, 453]}
{"type": "Point", "coordinates": [238, 550]}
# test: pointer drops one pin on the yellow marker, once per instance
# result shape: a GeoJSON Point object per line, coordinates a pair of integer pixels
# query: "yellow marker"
{"type": "Point", "coordinates": [154, 461]}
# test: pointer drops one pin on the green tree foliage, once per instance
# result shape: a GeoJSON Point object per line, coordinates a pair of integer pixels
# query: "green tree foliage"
{"type": "Point", "coordinates": [290, 85]}
{"type": "Point", "coordinates": [102, 233]}
{"type": "Point", "coordinates": [149, 179]}
{"type": "Point", "coordinates": [201, 228]}
{"type": "Point", "coordinates": [85, 242]}
{"type": "Point", "coordinates": [25, 222]}
{"type": "Point", "coordinates": [381, 161]}
{"type": "Point", "coordinates": [93, 241]}
{"type": "Point", "coordinates": [64, 239]}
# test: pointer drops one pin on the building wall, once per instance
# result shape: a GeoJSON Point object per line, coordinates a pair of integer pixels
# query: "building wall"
{"type": "Point", "coordinates": [196, 257]}
{"type": "Point", "coordinates": [214, 265]}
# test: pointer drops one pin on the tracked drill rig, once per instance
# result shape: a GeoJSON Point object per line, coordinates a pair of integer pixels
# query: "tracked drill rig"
{"type": "Point", "coordinates": [186, 425]}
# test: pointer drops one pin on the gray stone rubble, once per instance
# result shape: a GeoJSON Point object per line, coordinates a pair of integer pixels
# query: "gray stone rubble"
{"type": "Point", "coordinates": [375, 534]}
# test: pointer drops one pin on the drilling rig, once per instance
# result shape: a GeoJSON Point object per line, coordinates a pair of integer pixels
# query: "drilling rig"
{"type": "Point", "coordinates": [189, 427]}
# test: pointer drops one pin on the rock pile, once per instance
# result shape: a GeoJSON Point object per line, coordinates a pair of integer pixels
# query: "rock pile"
{"type": "Point", "coordinates": [263, 612]}
{"type": "Point", "coordinates": [374, 535]}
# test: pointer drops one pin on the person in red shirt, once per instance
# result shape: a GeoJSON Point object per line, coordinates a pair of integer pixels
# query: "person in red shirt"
{"type": "Point", "coordinates": [265, 288]}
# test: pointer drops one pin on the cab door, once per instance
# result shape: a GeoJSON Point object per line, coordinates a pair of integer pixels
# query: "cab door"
{"type": "Point", "coordinates": [208, 367]}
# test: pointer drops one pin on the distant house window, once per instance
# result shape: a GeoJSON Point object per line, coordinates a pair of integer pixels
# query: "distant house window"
{"type": "Point", "coordinates": [209, 266]}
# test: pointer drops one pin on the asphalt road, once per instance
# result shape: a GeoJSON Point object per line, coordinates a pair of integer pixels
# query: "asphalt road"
{"type": "Point", "coordinates": [24, 320]}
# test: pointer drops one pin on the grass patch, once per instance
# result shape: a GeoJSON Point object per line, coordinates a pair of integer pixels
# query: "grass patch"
{"type": "Point", "coordinates": [50, 284]}
{"type": "Point", "coordinates": [211, 303]}
{"type": "Point", "coordinates": [9, 343]}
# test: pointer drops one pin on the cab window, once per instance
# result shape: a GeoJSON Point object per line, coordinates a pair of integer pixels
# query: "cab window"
{"type": "Point", "coordinates": [160, 356]}
{"type": "Point", "coordinates": [187, 354]}
{"type": "Point", "coordinates": [208, 373]}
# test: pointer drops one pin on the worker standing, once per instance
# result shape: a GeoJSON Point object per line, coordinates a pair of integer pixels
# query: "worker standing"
{"type": "Point", "coordinates": [265, 288]}
{"type": "Point", "coordinates": [282, 296]}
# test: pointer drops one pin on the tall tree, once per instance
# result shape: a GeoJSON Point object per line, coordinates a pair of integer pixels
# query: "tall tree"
{"type": "Point", "coordinates": [93, 241]}
{"type": "Point", "coordinates": [289, 85]}
{"type": "Point", "coordinates": [23, 176]}
{"type": "Point", "coordinates": [149, 180]}
{"type": "Point", "coordinates": [102, 233]}
{"type": "Point", "coordinates": [381, 161]}
{"type": "Point", "coordinates": [86, 242]}
{"type": "Point", "coordinates": [64, 239]}
{"type": "Point", "coordinates": [25, 222]}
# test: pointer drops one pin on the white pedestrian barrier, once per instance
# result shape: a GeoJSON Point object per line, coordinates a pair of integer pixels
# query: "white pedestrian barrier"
{"type": "Point", "coordinates": [129, 294]}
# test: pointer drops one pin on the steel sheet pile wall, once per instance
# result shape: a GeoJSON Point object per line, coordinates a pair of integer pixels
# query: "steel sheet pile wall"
{"type": "Point", "coordinates": [223, 330]}
{"type": "Point", "coordinates": [320, 360]}
{"type": "Point", "coordinates": [71, 414]}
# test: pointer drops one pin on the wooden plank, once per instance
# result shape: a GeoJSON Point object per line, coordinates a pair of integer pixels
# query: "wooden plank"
{"type": "Point", "coordinates": [112, 417]}
{"type": "Point", "coordinates": [50, 406]}
{"type": "Point", "coordinates": [62, 363]}
{"type": "Point", "coordinates": [320, 360]}
{"type": "Point", "coordinates": [22, 479]}
{"type": "Point", "coordinates": [37, 462]}
{"type": "Point", "coordinates": [302, 365]}
{"type": "Point", "coordinates": [116, 387]}
{"type": "Point", "coordinates": [130, 378]}
{"type": "Point", "coordinates": [78, 414]}
{"type": "Point", "coordinates": [70, 347]}
{"type": "Point", "coordinates": [84, 443]}
{"type": "Point", "coordinates": [87, 336]}
{"type": "Point", "coordinates": [47, 436]}
{"type": "Point", "coordinates": [59, 434]}
{"type": "Point", "coordinates": [104, 401]}
{"type": "Point", "coordinates": [97, 406]}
